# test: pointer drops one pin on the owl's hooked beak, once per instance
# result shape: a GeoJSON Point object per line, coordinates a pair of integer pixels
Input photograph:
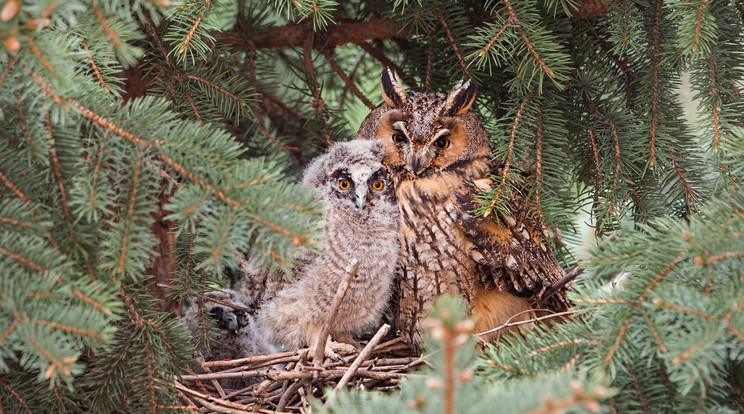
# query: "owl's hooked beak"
{"type": "Point", "coordinates": [361, 196]}
{"type": "Point", "coordinates": [417, 163]}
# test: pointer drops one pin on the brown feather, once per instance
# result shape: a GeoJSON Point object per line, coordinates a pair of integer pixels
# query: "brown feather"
{"type": "Point", "coordinates": [499, 267]}
{"type": "Point", "coordinates": [495, 308]}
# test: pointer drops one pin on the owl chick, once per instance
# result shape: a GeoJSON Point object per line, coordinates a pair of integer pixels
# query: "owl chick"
{"type": "Point", "coordinates": [440, 158]}
{"type": "Point", "coordinates": [237, 334]}
{"type": "Point", "coordinates": [360, 222]}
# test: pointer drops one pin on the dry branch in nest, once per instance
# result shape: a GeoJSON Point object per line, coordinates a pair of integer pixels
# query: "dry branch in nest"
{"type": "Point", "coordinates": [283, 382]}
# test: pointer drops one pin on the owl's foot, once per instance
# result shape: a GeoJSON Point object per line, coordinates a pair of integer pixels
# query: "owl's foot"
{"type": "Point", "coordinates": [347, 339]}
{"type": "Point", "coordinates": [333, 349]}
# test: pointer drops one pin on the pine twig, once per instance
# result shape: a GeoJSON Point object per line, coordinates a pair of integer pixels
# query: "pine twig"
{"type": "Point", "coordinates": [429, 55]}
{"type": "Point", "coordinates": [505, 172]}
{"type": "Point", "coordinates": [347, 80]}
{"type": "Point", "coordinates": [570, 275]}
{"type": "Point", "coordinates": [317, 103]}
{"type": "Point", "coordinates": [382, 58]}
{"type": "Point", "coordinates": [453, 43]}
{"type": "Point", "coordinates": [350, 272]}
{"type": "Point", "coordinates": [228, 304]}
{"type": "Point", "coordinates": [525, 322]}
{"type": "Point", "coordinates": [259, 115]}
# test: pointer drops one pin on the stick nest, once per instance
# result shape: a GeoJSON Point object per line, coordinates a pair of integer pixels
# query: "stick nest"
{"type": "Point", "coordinates": [283, 382]}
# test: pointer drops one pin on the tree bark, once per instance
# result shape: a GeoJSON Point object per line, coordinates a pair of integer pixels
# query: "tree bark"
{"type": "Point", "coordinates": [294, 34]}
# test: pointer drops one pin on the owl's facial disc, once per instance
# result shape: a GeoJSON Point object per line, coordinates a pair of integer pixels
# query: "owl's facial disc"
{"type": "Point", "coordinates": [420, 152]}
{"type": "Point", "coordinates": [358, 184]}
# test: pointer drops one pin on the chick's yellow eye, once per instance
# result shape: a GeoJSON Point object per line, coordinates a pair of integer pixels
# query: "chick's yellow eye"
{"type": "Point", "coordinates": [398, 137]}
{"type": "Point", "coordinates": [442, 143]}
{"type": "Point", "coordinates": [344, 184]}
{"type": "Point", "coordinates": [378, 185]}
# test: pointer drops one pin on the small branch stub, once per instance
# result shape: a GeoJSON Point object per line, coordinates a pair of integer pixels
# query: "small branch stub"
{"type": "Point", "coordinates": [351, 271]}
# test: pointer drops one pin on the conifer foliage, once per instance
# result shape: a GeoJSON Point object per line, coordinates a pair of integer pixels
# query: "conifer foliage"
{"type": "Point", "coordinates": [148, 147]}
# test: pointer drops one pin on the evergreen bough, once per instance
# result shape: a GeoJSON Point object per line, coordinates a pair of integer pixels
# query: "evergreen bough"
{"type": "Point", "coordinates": [147, 148]}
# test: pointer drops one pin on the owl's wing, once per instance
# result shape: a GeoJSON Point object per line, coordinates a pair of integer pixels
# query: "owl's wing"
{"type": "Point", "coordinates": [259, 284]}
{"type": "Point", "coordinates": [512, 249]}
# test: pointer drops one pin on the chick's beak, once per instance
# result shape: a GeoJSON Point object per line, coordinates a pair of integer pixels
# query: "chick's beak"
{"type": "Point", "coordinates": [361, 196]}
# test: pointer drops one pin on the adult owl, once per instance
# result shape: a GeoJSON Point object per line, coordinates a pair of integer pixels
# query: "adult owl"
{"type": "Point", "coordinates": [360, 222]}
{"type": "Point", "coordinates": [440, 157]}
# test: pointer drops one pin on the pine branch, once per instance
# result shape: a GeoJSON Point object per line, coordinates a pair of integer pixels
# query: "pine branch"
{"type": "Point", "coordinates": [510, 153]}
{"type": "Point", "coordinates": [655, 52]}
{"type": "Point", "coordinates": [294, 35]}
{"type": "Point", "coordinates": [329, 57]}
{"type": "Point", "coordinates": [453, 43]}
{"type": "Point", "coordinates": [259, 115]}
{"type": "Point", "coordinates": [318, 103]}
{"type": "Point", "coordinates": [93, 65]}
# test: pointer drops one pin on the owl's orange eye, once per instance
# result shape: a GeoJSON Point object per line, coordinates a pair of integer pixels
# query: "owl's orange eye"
{"type": "Point", "coordinates": [344, 184]}
{"type": "Point", "coordinates": [378, 185]}
{"type": "Point", "coordinates": [442, 142]}
{"type": "Point", "coordinates": [398, 137]}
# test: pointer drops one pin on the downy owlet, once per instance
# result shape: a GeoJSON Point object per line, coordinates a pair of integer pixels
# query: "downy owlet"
{"type": "Point", "coordinates": [360, 222]}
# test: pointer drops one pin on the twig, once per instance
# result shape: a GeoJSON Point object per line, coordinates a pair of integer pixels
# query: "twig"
{"type": "Point", "coordinates": [214, 381]}
{"type": "Point", "coordinates": [217, 408]}
{"type": "Point", "coordinates": [317, 103]}
{"type": "Point", "coordinates": [287, 394]}
{"type": "Point", "coordinates": [570, 275]}
{"type": "Point", "coordinates": [259, 114]}
{"type": "Point", "coordinates": [418, 361]}
{"type": "Point", "coordinates": [541, 318]}
{"type": "Point", "coordinates": [396, 340]}
{"type": "Point", "coordinates": [344, 77]}
{"type": "Point", "coordinates": [257, 365]}
{"type": "Point", "coordinates": [382, 58]}
{"type": "Point", "coordinates": [221, 402]}
{"type": "Point", "coordinates": [253, 359]}
{"type": "Point", "coordinates": [362, 357]}
{"type": "Point", "coordinates": [276, 375]}
{"type": "Point", "coordinates": [304, 392]}
{"type": "Point", "coordinates": [351, 271]}
{"type": "Point", "coordinates": [386, 364]}
{"type": "Point", "coordinates": [453, 43]}
{"type": "Point", "coordinates": [228, 304]}
{"type": "Point", "coordinates": [185, 399]}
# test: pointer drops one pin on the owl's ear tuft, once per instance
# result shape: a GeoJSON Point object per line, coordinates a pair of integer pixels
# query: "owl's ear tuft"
{"type": "Point", "coordinates": [392, 90]}
{"type": "Point", "coordinates": [460, 99]}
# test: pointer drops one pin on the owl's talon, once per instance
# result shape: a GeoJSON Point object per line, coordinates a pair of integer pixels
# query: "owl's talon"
{"type": "Point", "coordinates": [337, 357]}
